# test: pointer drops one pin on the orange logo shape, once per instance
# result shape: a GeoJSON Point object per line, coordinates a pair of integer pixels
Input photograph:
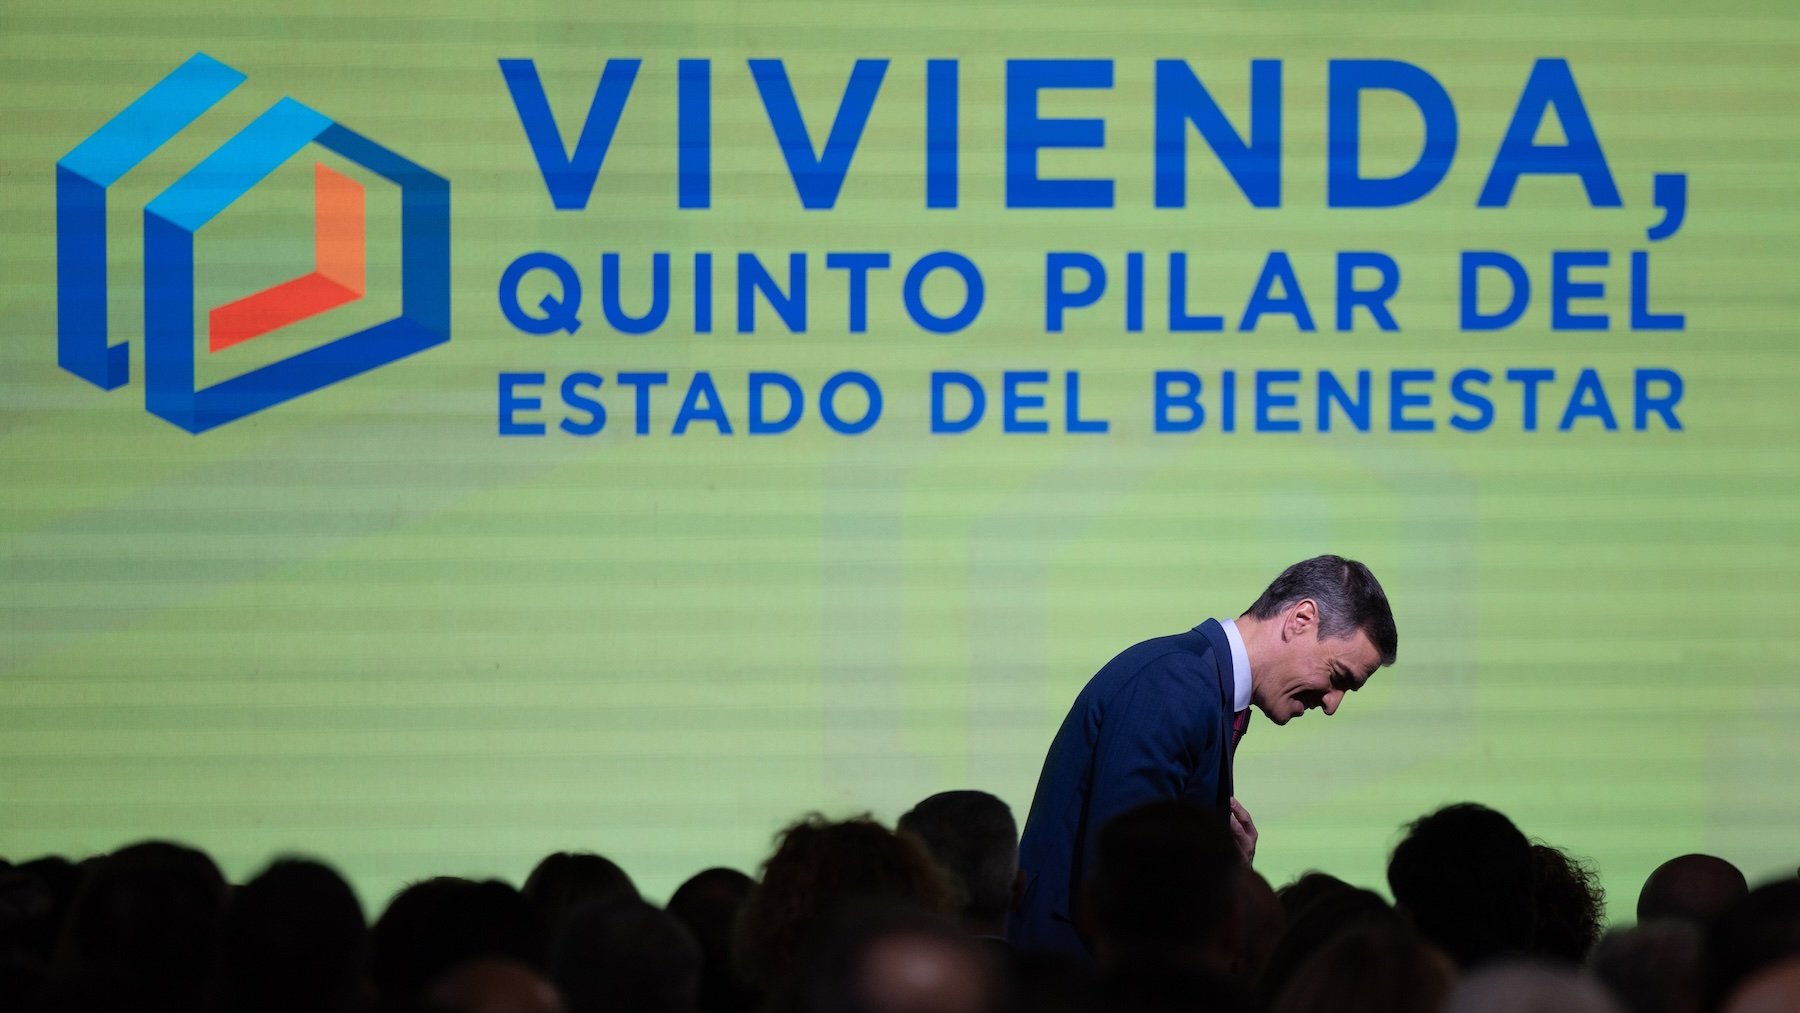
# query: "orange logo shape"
{"type": "Point", "coordinates": [337, 278]}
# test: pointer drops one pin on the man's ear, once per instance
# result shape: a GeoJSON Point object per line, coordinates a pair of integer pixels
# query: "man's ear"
{"type": "Point", "coordinates": [1303, 619]}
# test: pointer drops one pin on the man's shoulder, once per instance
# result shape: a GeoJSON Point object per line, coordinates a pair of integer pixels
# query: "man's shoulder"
{"type": "Point", "coordinates": [1175, 648]}
{"type": "Point", "coordinates": [1179, 655]}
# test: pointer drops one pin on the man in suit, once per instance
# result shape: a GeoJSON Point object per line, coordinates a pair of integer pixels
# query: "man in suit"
{"type": "Point", "coordinates": [1161, 721]}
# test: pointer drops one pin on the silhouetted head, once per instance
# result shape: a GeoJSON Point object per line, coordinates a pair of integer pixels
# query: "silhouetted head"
{"type": "Point", "coordinates": [1259, 927]}
{"type": "Point", "coordinates": [1381, 966]}
{"type": "Point", "coordinates": [1774, 990]}
{"type": "Point", "coordinates": [1331, 912]}
{"type": "Point", "coordinates": [436, 925]}
{"type": "Point", "coordinates": [708, 904]}
{"type": "Point", "coordinates": [973, 838]}
{"type": "Point", "coordinates": [1510, 987]}
{"type": "Point", "coordinates": [625, 956]}
{"type": "Point", "coordinates": [1653, 967]}
{"type": "Point", "coordinates": [818, 865]}
{"type": "Point", "coordinates": [1464, 876]}
{"type": "Point", "coordinates": [567, 880]}
{"type": "Point", "coordinates": [1308, 887]}
{"type": "Point", "coordinates": [145, 927]}
{"type": "Point", "coordinates": [492, 985]}
{"type": "Point", "coordinates": [1569, 903]}
{"type": "Point", "coordinates": [887, 959]}
{"type": "Point", "coordinates": [34, 902]}
{"type": "Point", "coordinates": [1758, 932]}
{"type": "Point", "coordinates": [35, 898]}
{"type": "Point", "coordinates": [295, 942]}
{"type": "Point", "coordinates": [1165, 877]}
{"type": "Point", "coordinates": [1695, 887]}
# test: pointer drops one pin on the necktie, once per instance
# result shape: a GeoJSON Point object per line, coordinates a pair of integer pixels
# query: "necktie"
{"type": "Point", "coordinates": [1239, 723]}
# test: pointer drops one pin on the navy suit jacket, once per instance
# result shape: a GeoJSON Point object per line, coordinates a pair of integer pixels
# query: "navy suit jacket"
{"type": "Point", "coordinates": [1154, 724]}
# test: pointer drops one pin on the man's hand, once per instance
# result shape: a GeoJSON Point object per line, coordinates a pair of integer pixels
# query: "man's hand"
{"type": "Point", "coordinates": [1243, 830]}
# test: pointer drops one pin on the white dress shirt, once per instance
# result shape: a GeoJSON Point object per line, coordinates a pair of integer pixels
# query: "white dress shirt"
{"type": "Point", "coordinates": [1240, 666]}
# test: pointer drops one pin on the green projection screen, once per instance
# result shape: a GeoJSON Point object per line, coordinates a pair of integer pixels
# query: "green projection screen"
{"type": "Point", "coordinates": [431, 440]}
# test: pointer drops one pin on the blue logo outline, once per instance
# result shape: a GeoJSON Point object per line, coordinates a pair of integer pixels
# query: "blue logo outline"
{"type": "Point", "coordinates": [171, 221]}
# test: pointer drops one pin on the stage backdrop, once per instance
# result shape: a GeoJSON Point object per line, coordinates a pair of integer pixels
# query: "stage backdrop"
{"type": "Point", "coordinates": [434, 440]}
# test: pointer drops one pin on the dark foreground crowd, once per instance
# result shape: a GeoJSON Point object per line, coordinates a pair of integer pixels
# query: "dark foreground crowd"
{"type": "Point", "coordinates": [854, 917]}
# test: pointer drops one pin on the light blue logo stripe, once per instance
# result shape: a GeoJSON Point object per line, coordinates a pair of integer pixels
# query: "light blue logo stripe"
{"type": "Point", "coordinates": [148, 123]}
{"type": "Point", "coordinates": [239, 164]}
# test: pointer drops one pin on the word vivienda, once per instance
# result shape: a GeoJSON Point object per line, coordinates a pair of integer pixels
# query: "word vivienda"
{"type": "Point", "coordinates": [1182, 104]}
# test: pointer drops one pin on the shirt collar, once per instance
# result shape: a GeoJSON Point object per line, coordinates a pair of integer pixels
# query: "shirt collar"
{"type": "Point", "coordinates": [1240, 666]}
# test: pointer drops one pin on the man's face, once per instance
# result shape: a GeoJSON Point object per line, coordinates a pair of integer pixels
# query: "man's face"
{"type": "Point", "coordinates": [1312, 672]}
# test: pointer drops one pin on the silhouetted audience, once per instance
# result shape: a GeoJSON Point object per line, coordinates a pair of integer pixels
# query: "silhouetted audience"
{"type": "Point", "coordinates": [894, 959]}
{"type": "Point", "coordinates": [1305, 889]}
{"type": "Point", "coordinates": [567, 880]}
{"type": "Point", "coordinates": [1464, 876]}
{"type": "Point", "coordinates": [1696, 887]}
{"type": "Point", "coordinates": [975, 841]}
{"type": "Point", "coordinates": [434, 926]}
{"type": "Point", "coordinates": [1378, 966]}
{"type": "Point", "coordinates": [1513, 987]}
{"type": "Point", "coordinates": [1260, 922]}
{"type": "Point", "coordinates": [34, 900]}
{"type": "Point", "coordinates": [492, 985]}
{"type": "Point", "coordinates": [625, 956]}
{"type": "Point", "coordinates": [1333, 909]}
{"type": "Point", "coordinates": [1165, 882]}
{"type": "Point", "coordinates": [1569, 906]}
{"type": "Point", "coordinates": [818, 866]}
{"type": "Point", "coordinates": [144, 932]}
{"type": "Point", "coordinates": [1759, 931]}
{"type": "Point", "coordinates": [1775, 990]}
{"type": "Point", "coordinates": [708, 904]}
{"type": "Point", "coordinates": [295, 942]}
{"type": "Point", "coordinates": [1653, 967]}
{"type": "Point", "coordinates": [852, 917]}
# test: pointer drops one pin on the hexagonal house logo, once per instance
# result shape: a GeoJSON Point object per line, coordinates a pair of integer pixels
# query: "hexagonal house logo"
{"type": "Point", "coordinates": [178, 213]}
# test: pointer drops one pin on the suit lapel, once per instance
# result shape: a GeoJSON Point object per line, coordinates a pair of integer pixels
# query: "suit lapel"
{"type": "Point", "coordinates": [1221, 653]}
